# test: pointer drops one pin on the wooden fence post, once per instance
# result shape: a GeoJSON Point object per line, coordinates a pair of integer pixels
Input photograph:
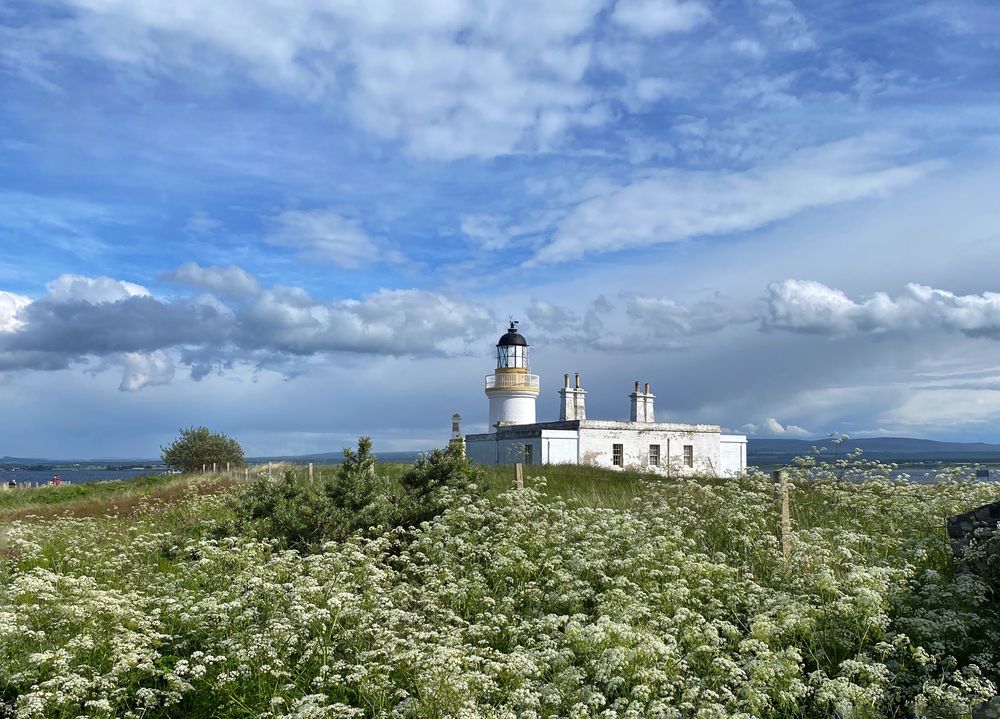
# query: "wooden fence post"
{"type": "Point", "coordinates": [786, 515]}
{"type": "Point", "coordinates": [310, 471]}
{"type": "Point", "coordinates": [519, 475]}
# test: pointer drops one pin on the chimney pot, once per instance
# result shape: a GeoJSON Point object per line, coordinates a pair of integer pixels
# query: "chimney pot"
{"type": "Point", "coordinates": [647, 388]}
{"type": "Point", "coordinates": [578, 380]}
{"type": "Point", "coordinates": [637, 385]}
{"type": "Point", "coordinates": [566, 380]}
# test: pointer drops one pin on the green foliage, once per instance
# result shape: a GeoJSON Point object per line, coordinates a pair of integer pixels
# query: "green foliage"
{"type": "Point", "coordinates": [198, 446]}
{"type": "Point", "coordinates": [357, 498]}
{"type": "Point", "coordinates": [431, 483]}
{"type": "Point", "coordinates": [360, 498]}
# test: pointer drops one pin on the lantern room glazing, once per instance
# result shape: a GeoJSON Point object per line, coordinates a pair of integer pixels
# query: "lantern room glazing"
{"type": "Point", "coordinates": [512, 350]}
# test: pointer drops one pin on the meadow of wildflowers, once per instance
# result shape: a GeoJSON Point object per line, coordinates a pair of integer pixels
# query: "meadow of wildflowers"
{"type": "Point", "coordinates": [675, 601]}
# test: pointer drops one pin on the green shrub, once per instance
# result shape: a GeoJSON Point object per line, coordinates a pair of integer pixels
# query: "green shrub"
{"type": "Point", "coordinates": [199, 447]}
{"type": "Point", "coordinates": [304, 513]}
{"type": "Point", "coordinates": [431, 483]}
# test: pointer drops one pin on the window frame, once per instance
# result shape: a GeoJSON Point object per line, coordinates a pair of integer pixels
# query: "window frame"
{"type": "Point", "coordinates": [689, 455]}
{"type": "Point", "coordinates": [617, 454]}
{"type": "Point", "coordinates": [654, 455]}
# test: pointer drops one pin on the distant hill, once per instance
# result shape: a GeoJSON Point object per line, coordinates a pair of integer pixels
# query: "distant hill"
{"type": "Point", "coordinates": [337, 458]}
{"type": "Point", "coordinates": [319, 458]}
{"type": "Point", "coordinates": [900, 449]}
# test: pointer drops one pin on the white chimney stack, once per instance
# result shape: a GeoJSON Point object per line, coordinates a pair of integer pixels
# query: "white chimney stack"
{"type": "Point", "coordinates": [572, 404]}
{"type": "Point", "coordinates": [642, 404]}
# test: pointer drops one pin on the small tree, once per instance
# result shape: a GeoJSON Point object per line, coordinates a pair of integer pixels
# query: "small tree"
{"type": "Point", "coordinates": [198, 446]}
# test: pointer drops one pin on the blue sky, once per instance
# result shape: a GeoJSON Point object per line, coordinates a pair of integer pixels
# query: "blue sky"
{"type": "Point", "coordinates": [299, 223]}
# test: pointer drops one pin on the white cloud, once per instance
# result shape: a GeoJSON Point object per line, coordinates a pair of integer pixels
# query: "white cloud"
{"type": "Point", "coordinates": [936, 409]}
{"type": "Point", "coordinates": [230, 281]}
{"type": "Point", "coordinates": [771, 427]}
{"type": "Point", "coordinates": [324, 236]}
{"type": "Point", "coordinates": [447, 79]}
{"type": "Point", "coordinates": [662, 316]}
{"type": "Point", "coordinates": [673, 205]}
{"type": "Point", "coordinates": [68, 288]}
{"type": "Point", "coordinates": [486, 230]}
{"type": "Point", "coordinates": [775, 427]}
{"type": "Point", "coordinates": [145, 370]}
{"type": "Point", "coordinates": [747, 46]}
{"type": "Point", "coordinates": [200, 223]}
{"type": "Point", "coordinates": [813, 308]}
{"type": "Point", "coordinates": [393, 322]}
{"type": "Point", "coordinates": [551, 318]}
{"type": "Point", "coordinates": [10, 305]}
{"type": "Point", "coordinates": [786, 24]}
{"type": "Point", "coordinates": [656, 17]}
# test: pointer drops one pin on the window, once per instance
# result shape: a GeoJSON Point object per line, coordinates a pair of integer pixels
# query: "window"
{"type": "Point", "coordinates": [618, 455]}
{"type": "Point", "coordinates": [654, 455]}
{"type": "Point", "coordinates": [512, 356]}
{"type": "Point", "coordinates": [527, 454]}
{"type": "Point", "coordinates": [688, 455]}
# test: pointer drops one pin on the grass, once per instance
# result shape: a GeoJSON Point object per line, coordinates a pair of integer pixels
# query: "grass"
{"type": "Point", "coordinates": [119, 497]}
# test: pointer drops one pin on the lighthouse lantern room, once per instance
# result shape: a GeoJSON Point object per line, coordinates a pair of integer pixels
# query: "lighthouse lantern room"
{"type": "Point", "coordinates": [511, 389]}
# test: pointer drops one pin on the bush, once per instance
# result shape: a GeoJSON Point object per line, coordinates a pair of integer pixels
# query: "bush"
{"type": "Point", "coordinates": [199, 447]}
{"type": "Point", "coordinates": [357, 499]}
{"type": "Point", "coordinates": [431, 483]}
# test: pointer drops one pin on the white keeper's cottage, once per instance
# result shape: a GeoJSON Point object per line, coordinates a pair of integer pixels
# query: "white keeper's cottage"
{"type": "Point", "coordinates": [641, 442]}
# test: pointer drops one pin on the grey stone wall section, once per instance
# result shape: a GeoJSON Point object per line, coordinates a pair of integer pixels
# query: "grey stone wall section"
{"type": "Point", "coordinates": [976, 525]}
{"type": "Point", "coordinates": [989, 710]}
{"type": "Point", "coordinates": [979, 523]}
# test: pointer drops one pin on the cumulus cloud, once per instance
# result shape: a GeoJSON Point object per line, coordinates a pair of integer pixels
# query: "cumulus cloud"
{"type": "Point", "coordinates": [771, 427]}
{"type": "Point", "coordinates": [656, 17]}
{"type": "Point", "coordinates": [145, 370]}
{"type": "Point", "coordinates": [393, 322]}
{"type": "Point", "coordinates": [673, 205]}
{"type": "Point", "coordinates": [324, 236]}
{"type": "Point", "coordinates": [10, 306]}
{"type": "Point", "coordinates": [230, 281]}
{"type": "Point", "coordinates": [139, 331]}
{"type": "Point", "coordinates": [68, 288]}
{"type": "Point", "coordinates": [813, 308]}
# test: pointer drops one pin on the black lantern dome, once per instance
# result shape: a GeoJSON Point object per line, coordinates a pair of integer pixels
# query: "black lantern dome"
{"type": "Point", "coordinates": [512, 337]}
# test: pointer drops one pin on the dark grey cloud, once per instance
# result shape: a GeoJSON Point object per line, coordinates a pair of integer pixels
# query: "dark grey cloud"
{"type": "Point", "coordinates": [135, 330]}
{"type": "Point", "coordinates": [134, 324]}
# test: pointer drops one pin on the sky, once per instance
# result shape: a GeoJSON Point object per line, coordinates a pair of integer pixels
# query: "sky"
{"type": "Point", "coordinates": [297, 223]}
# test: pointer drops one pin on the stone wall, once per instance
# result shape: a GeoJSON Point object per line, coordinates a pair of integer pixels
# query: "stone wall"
{"type": "Point", "coordinates": [975, 527]}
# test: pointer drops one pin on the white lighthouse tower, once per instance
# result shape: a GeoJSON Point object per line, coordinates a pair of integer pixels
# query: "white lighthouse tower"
{"type": "Point", "coordinates": [512, 389]}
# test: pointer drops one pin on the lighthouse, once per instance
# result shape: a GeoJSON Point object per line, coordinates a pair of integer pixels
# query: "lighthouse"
{"type": "Point", "coordinates": [511, 388]}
